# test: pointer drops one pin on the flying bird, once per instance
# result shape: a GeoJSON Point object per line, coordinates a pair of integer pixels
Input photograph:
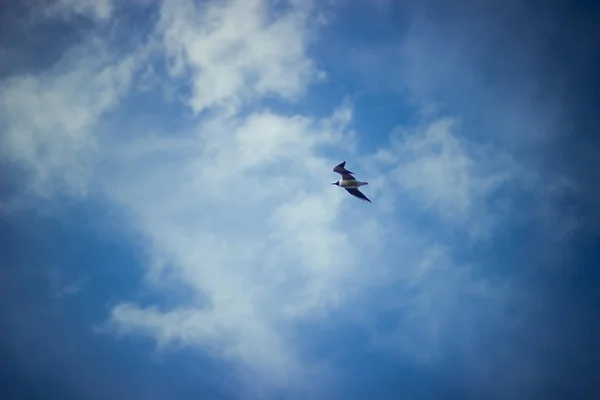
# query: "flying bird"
{"type": "Point", "coordinates": [349, 182]}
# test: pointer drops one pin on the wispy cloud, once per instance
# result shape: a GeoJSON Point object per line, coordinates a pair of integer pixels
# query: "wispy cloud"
{"type": "Point", "coordinates": [231, 226]}
{"type": "Point", "coordinates": [447, 175]}
{"type": "Point", "coordinates": [50, 118]}
{"type": "Point", "coordinates": [236, 52]}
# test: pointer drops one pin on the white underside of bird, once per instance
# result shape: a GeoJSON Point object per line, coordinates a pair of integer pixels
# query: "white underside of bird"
{"type": "Point", "coordinates": [351, 183]}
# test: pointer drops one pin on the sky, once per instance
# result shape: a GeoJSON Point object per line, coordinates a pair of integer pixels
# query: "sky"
{"type": "Point", "coordinates": [169, 228]}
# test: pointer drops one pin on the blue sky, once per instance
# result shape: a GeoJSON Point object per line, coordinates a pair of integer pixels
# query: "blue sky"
{"type": "Point", "coordinates": [169, 229]}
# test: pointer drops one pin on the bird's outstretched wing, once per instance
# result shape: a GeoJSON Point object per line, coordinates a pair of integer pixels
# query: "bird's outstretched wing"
{"type": "Point", "coordinates": [357, 193]}
{"type": "Point", "coordinates": [347, 177]}
{"type": "Point", "coordinates": [341, 169]}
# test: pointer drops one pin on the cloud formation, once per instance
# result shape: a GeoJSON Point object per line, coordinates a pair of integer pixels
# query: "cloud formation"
{"type": "Point", "coordinates": [236, 52]}
{"type": "Point", "coordinates": [50, 118]}
{"type": "Point", "coordinates": [235, 207]}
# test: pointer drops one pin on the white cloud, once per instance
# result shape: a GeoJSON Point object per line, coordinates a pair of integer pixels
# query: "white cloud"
{"type": "Point", "coordinates": [235, 51]}
{"type": "Point", "coordinates": [49, 118]}
{"type": "Point", "coordinates": [245, 224]}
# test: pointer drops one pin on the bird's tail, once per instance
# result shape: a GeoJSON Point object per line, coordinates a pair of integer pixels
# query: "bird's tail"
{"type": "Point", "coordinates": [363, 183]}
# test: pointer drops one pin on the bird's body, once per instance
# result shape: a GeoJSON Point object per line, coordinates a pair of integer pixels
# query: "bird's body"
{"type": "Point", "coordinates": [349, 182]}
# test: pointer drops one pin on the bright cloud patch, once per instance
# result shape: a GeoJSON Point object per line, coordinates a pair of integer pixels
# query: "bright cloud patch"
{"type": "Point", "coordinates": [234, 52]}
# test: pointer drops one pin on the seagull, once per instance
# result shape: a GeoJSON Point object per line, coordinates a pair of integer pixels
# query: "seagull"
{"type": "Point", "coordinates": [349, 182]}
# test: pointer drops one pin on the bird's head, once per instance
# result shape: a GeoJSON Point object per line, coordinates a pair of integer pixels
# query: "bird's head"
{"type": "Point", "coordinates": [336, 183]}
